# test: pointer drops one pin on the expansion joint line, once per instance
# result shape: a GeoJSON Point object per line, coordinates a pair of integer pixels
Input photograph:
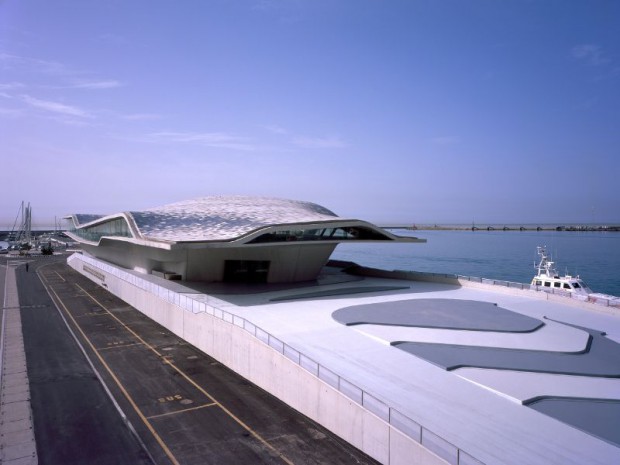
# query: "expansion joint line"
{"type": "Point", "coordinates": [191, 409]}
{"type": "Point", "coordinates": [192, 382]}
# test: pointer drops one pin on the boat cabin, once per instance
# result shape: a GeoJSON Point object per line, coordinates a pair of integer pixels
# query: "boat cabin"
{"type": "Point", "coordinates": [548, 278]}
{"type": "Point", "coordinates": [566, 283]}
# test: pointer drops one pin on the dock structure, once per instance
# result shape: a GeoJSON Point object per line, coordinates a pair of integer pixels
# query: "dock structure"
{"type": "Point", "coordinates": [409, 371]}
{"type": "Point", "coordinates": [103, 383]}
{"type": "Point", "coordinates": [407, 367]}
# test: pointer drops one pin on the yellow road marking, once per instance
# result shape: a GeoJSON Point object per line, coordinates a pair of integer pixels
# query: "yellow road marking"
{"type": "Point", "coordinates": [119, 384]}
{"type": "Point", "coordinates": [193, 383]}
{"type": "Point", "coordinates": [212, 404]}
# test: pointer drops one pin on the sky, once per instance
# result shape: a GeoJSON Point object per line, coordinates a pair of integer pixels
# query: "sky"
{"type": "Point", "coordinates": [391, 111]}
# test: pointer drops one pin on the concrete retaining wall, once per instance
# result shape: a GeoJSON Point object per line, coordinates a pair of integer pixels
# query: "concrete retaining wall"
{"type": "Point", "coordinates": [354, 415]}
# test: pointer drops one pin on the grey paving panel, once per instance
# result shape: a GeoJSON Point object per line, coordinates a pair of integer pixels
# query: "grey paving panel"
{"type": "Point", "coordinates": [336, 292]}
{"type": "Point", "coordinates": [600, 358]}
{"type": "Point", "coordinates": [470, 315]}
{"type": "Point", "coordinates": [598, 417]}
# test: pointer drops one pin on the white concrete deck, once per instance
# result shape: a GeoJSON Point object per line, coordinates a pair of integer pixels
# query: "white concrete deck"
{"type": "Point", "coordinates": [522, 386]}
{"type": "Point", "coordinates": [473, 409]}
{"type": "Point", "coordinates": [477, 410]}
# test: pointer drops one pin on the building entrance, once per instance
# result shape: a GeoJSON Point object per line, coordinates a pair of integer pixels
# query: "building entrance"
{"type": "Point", "coordinates": [246, 271]}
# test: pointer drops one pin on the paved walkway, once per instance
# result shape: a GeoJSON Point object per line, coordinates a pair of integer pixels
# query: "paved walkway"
{"type": "Point", "coordinates": [17, 444]}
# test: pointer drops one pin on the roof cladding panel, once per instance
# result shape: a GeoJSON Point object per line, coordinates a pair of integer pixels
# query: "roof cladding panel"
{"type": "Point", "coordinates": [83, 218]}
{"type": "Point", "coordinates": [221, 218]}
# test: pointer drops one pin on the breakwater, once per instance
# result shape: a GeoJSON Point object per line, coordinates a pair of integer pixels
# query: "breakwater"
{"type": "Point", "coordinates": [504, 227]}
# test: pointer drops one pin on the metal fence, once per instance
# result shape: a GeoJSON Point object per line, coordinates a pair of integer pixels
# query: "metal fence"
{"type": "Point", "coordinates": [455, 278]}
{"type": "Point", "coordinates": [549, 290]}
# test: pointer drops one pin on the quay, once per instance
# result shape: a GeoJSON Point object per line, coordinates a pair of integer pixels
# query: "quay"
{"type": "Point", "coordinates": [353, 377]}
{"type": "Point", "coordinates": [217, 330]}
{"type": "Point", "coordinates": [356, 354]}
{"type": "Point", "coordinates": [98, 382]}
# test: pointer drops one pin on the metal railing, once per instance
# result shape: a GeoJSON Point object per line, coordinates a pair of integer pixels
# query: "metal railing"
{"type": "Point", "coordinates": [409, 427]}
{"type": "Point", "coordinates": [548, 290]}
{"type": "Point", "coordinates": [446, 277]}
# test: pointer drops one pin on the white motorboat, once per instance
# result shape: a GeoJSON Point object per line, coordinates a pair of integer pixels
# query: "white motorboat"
{"type": "Point", "coordinates": [548, 279]}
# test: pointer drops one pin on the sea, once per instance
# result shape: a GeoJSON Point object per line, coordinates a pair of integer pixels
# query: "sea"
{"type": "Point", "coordinates": [501, 255]}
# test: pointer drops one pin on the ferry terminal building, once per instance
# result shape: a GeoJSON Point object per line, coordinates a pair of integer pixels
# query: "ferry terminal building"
{"type": "Point", "coordinates": [224, 239]}
{"type": "Point", "coordinates": [408, 369]}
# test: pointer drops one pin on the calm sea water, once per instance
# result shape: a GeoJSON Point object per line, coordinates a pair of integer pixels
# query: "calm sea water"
{"type": "Point", "coordinates": [502, 255]}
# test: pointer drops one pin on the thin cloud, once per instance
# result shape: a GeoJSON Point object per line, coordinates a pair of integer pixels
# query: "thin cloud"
{"type": "Point", "coordinates": [34, 64]}
{"type": "Point", "coordinates": [70, 121]}
{"type": "Point", "coordinates": [274, 128]}
{"type": "Point", "coordinates": [54, 107]}
{"type": "Point", "coordinates": [319, 142]}
{"type": "Point", "coordinates": [208, 139]}
{"type": "Point", "coordinates": [110, 84]}
{"type": "Point", "coordinates": [590, 54]}
{"type": "Point", "coordinates": [11, 85]}
{"type": "Point", "coordinates": [141, 116]}
{"type": "Point", "coordinates": [75, 78]}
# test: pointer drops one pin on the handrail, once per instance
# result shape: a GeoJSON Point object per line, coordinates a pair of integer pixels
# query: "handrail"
{"type": "Point", "coordinates": [416, 275]}
{"type": "Point", "coordinates": [548, 290]}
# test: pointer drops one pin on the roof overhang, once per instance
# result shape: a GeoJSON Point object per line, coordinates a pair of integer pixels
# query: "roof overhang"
{"type": "Point", "coordinates": [216, 222]}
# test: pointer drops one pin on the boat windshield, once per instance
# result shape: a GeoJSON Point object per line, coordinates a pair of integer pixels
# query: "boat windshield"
{"type": "Point", "coordinates": [581, 285]}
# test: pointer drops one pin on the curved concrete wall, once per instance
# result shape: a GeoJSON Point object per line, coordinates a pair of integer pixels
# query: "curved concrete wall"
{"type": "Point", "coordinates": [289, 262]}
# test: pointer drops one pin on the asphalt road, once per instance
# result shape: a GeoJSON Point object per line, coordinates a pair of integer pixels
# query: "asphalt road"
{"type": "Point", "coordinates": [75, 421]}
{"type": "Point", "coordinates": [185, 407]}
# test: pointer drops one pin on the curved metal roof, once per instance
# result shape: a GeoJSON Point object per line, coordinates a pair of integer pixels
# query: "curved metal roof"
{"type": "Point", "coordinates": [214, 219]}
{"type": "Point", "coordinates": [221, 218]}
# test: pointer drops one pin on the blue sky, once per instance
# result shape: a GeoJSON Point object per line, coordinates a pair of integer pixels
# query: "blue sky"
{"type": "Point", "coordinates": [389, 111]}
